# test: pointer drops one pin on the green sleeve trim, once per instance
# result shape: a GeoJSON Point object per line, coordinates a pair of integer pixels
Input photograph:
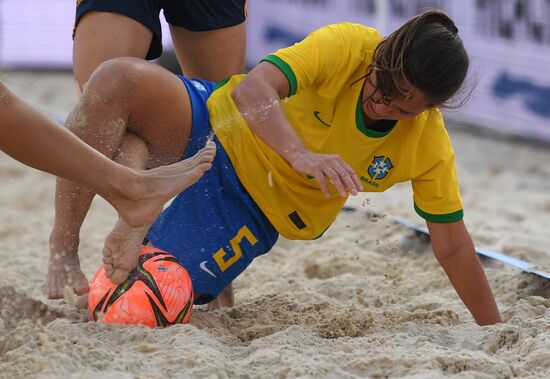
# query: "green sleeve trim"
{"type": "Point", "coordinates": [449, 217]}
{"type": "Point", "coordinates": [221, 84]}
{"type": "Point", "coordinates": [287, 71]}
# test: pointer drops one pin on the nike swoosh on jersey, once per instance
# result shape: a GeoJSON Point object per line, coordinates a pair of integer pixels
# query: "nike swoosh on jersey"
{"type": "Point", "coordinates": [203, 267]}
{"type": "Point", "coordinates": [316, 114]}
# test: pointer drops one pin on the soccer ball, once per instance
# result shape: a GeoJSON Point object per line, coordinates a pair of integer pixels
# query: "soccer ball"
{"type": "Point", "coordinates": [158, 292]}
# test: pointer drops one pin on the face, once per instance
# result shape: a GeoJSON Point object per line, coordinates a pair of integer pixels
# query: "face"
{"type": "Point", "coordinates": [398, 109]}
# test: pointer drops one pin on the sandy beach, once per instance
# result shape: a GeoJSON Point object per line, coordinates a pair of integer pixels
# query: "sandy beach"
{"type": "Point", "coordinates": [367, 300]}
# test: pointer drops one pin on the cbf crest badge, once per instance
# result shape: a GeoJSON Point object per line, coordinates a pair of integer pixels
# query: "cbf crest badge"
{"type": "Point", "coordinates": [380, 167]}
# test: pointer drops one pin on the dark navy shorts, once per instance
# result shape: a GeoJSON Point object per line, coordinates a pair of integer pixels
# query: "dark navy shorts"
{"type": "Point", "coordinates": [214, 227]}
{"type": "Point", "coordinates": [194, 15]}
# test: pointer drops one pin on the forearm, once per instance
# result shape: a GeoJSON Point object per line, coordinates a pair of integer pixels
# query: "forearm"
{"type": "Point", "coordinates": [257, 98]}
{"type": "Point", "coordinates": [468, 278]}
{"type": "Point", "coordinates": [37, 141]}
{"type": "Point", "coordinates": [260, 106]}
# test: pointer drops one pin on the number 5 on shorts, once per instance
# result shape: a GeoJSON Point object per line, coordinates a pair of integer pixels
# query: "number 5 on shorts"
{"type": "Point", "coordinates": [220, 255]}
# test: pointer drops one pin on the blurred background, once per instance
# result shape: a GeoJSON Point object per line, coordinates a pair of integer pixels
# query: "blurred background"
{"type": "Point", "coordinates": [508, 40]}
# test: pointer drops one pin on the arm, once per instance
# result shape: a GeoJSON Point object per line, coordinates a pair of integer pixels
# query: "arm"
{"type": "Point", "coordinates": [37, 141]}
{"type": "Point", "coordinates": [257, 98]}
{"type": "Point", "coordinates": [454, 249]}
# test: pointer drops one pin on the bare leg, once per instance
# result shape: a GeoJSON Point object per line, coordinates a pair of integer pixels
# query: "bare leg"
{"type": "Point", "coordinates": [123, 96]}
{"type": "Point", "coordinates": [120, 253]}
{"type": "Point", "coordinates": [64, 265]}
{"type": "Point", "coordinates": [94, 42]}
{"type": "Point", "coordinates": [72, 204]}
{"type": "Point", "coordinates": [225, 299]}
{"type": "Point", "coordinates": [212, 55]}
{"type": "Point", "coordinates": [142, 202]}
{"type": "Point", "coordinates": [133, 153]}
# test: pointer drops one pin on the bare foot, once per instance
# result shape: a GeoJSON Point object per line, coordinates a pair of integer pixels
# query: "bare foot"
{"type": "Point", "coordinates": [64, 270]}
{"type": "Point", "coordinates": [157, 186]}
{"type": "Point", "coordinates": [226, 299]}
{"type": "Point", "coordinates": [121, 250]}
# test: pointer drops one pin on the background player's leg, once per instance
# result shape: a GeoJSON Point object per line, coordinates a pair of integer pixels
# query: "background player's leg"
{"type": "Point", "coordinates": [213, 55]}
{"type": "Point", "coordinates": [225, 299]}
{"type": "Point", "coordinates": [123, 96]}
{"type": "Point", "coordinates": [94, 42]}
{"type": "Point", "coordinates": [71, 206]}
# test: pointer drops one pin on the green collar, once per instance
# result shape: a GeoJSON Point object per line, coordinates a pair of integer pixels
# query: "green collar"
{"type": "Point", "coordinates": [360, 122]}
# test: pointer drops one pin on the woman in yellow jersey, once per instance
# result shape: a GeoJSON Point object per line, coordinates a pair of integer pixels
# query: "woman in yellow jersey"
{"type": "Point", "coordinates": [138, 196]}
{"type": "Point", "coordinates": [343, 111]}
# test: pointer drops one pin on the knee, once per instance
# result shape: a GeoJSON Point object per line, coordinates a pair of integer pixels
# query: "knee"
{"type": "Point", "coordinates": [116, 76]}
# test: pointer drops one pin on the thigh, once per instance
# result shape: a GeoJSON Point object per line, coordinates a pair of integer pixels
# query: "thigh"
{"type": "Point", "coordinates": [150, 101]}
{"type": "Point", "coordinates": [214, 54]}
{"type": "Point", "coordinates": [214, 228]}
{"type": "Point", "coordinates": [94, 42]}
{"type": "Point", "coordinates": [161, 113]}
{"type": "Point", "coordinates": [209, 36]}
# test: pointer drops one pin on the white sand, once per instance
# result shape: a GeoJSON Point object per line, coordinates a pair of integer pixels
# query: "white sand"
{"type": "Point", "coordinates": [366, 300]}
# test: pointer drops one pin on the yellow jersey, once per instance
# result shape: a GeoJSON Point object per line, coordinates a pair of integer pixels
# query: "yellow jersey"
{"type": "Point", "coordinates": [324, 108]}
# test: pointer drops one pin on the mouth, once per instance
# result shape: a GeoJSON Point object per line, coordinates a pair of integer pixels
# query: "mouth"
{"type": "Point", "coordinates": [372, 111]}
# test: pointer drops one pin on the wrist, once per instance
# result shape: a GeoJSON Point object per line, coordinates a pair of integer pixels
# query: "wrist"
{"type": "Point", "coordinates": [293, 154]}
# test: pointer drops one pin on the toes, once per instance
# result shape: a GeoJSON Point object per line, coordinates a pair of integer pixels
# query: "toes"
{"type": "Point", "coordinates": [128, 264]}
{"type": "Point", "coordinates": [119, 276]}
{"type": "Point", "coordinates": [52, 293]}
{"type": "Point", "coordinates": [109, 271]}
{"type": "Point", "coordinates": [107, 260]}
{"type": "Point", "coordinates": [206, 166]}
{"type": "Point", "coordinates": [53, 290]}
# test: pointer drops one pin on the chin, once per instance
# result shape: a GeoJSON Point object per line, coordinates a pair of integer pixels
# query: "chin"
{"type": "Point", "coordinates": [372, 116]}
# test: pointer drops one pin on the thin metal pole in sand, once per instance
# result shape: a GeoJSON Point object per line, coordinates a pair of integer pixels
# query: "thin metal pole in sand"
{"type": "Point", "coordinates": [496, 255]}
{"type": "Point", "coordinates": [492, 254]}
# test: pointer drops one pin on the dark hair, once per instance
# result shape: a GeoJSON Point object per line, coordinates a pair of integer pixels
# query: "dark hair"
{"type": "Point", "coordinates": [427, 53]}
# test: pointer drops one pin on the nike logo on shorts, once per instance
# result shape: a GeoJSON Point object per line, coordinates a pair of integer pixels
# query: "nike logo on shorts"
{"type": "Point", "coordinates": [203, 267]}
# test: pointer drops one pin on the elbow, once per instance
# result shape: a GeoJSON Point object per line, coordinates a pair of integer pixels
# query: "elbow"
{"type": "Point", "coordinates": [236, 95]}
{"type": "Point", "coordinates": [240, 93]}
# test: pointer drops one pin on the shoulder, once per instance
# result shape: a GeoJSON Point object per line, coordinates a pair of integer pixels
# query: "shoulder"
{"type": "Point", "coordinates": [433, 133]}
{"type": "Point", "coordinates": [358, 38]}
{"type": "Point", "coordinates": [351, 33]}
{"type": "Point", "coordinates": [431, 121]}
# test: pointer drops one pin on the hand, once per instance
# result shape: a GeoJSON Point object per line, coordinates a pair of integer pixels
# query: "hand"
{"type": "Point", "coordinates": [323, 166]}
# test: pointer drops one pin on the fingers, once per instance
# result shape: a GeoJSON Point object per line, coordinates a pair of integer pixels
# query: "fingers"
{"type": "Point", "coordinates": [325, 167]}
{"type": "Point", "coordinates": [337, 181]}
{"type": "Point", "coordinates": [352, 182]}
{"type": "Point", "coordinates": [342, 176]}
{"type": "Point", "coordinates": [323, 184]}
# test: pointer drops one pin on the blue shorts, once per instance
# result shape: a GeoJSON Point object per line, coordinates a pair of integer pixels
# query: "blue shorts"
{"type": "Point", "coordinates": [194, 15]}
{"type": "Point", "coordinates": [214, 227]}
